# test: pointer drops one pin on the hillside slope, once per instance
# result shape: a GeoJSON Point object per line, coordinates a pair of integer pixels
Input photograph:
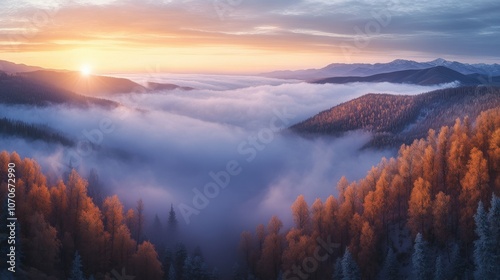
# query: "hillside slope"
{"type": "Point", "coordinates": [87, 85]}
{"type": "Point", "coordinates": [396, 119]}
{"type": "Point", "coordinates": [22, 90]}
{"type": "Point", "coordinates": [31, 132]}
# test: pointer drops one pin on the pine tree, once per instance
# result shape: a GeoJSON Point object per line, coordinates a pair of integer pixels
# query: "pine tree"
{"type": "Point", "coordinates": [350, 269]}
{"type": "Point", "coordinates": [390, 268]}
{"type": "Point", "coordinates": [139, 222]}
{"type": "Point", "coordinates": [76, 268]}
{"type": "Point", "coordinates": [439, 271]}
{"type": "Point", "coordinates": [486, 247]}
{"type": "Point", "coordinates": [215, 274]}
{"type": "Point", "coordinates": [172, 219]}
{"type": "Point", "coordinates": [180, 256]}
{"type": "Point", "coordinates": [480, 245]}
{"type": "Point", "coordinates": [171, 272]}
{"type": "Point", "coordinates": [337, 271]}
{"type": "Point", "coordinates": [494, 244]}
{"type": "Point", "coordinates": [456, 266]}
{"type": "Point", "coordinates": [420, 259]}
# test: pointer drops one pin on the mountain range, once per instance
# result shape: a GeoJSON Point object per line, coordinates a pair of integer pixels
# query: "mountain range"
{"type": "Point", "coordinates": [366, 69]}
{"type": "Point", "coordinates": [430, 76]}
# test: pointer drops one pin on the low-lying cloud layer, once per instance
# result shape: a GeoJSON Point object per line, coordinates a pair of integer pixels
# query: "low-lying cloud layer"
{"type": "Point", "coordinates": [230, 135]}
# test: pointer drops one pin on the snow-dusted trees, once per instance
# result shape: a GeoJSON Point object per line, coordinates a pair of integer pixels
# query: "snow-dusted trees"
{"type": "Point", "coordinates": [350, 269]}
{"type": "Point", "coordinates": [337, 270]}
{"type": "Point", "coordinates": [76, 268]}
{"type": "Point", "coordinates": [390, 270]}
{"type": "Point", "coordinates": [421, 267]}
{"type": "Point", "coordinates": [487, 246]}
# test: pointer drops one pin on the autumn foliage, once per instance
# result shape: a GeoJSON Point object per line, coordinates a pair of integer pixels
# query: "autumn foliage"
{"type": "Point", "coordinates": [57, 221]}
{"type": "Point", "coordinates": [433, 187]}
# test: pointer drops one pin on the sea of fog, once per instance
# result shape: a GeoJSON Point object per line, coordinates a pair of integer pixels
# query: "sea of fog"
{"type": "Point", "coordinates": [220, 154]}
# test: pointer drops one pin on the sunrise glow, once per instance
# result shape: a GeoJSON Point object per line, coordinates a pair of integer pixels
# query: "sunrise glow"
{"type": "Point", "coordinates": [86, 70]}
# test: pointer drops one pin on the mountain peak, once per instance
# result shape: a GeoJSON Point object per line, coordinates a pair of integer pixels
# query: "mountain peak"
{"type": "Point", "coordinates": [439, 61]}
{"type": "Point", "coordinates": [401, 61]}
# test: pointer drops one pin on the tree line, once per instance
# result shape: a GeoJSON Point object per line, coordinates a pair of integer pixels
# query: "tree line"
{"type": "Point", "coordinates": [33, 132]}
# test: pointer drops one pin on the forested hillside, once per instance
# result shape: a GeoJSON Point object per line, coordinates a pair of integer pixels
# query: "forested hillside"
{"type": "Point", "coordinates": [396, 119]}
{"type": "Point", "coordinates": [64, 232]}
{"type": "Point", "coordinates": [438, 191]}
{"type": "Point", "coordinates": [11, 128]}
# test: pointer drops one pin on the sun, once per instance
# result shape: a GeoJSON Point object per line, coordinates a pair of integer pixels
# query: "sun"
{"type": "Point", "coordinates": [86, 70]}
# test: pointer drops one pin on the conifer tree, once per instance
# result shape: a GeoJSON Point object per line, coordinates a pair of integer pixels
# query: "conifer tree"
{"type": "Point", "coordinates": [420, 259]}
{"type": "Point", "coordinates": [337, 270]}
{"type": "Point", "coordinates": [171, 273]}
{"type": "Point", "coordinates": [390, 268]}
{"type": "Point", "coordinates": [350, 269]}
{"type": "Point", "coordinates": [76, 268]}
{"type": "Point", "coordinates": [439, 270]}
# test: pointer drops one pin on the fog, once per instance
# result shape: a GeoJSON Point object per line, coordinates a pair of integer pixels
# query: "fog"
{"type": "Point", "coordinates": [221, 154]}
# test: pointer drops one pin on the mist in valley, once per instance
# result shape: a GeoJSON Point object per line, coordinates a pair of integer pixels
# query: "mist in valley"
{"type": "Point", "coordinates": [220, 154]}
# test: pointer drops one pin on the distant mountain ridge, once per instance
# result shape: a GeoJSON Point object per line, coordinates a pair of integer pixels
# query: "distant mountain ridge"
{"type": "Point", "coordinates": [397, 119]}
{"type": "Point", "coordinates": [429, 76]}
{"type": "Point", "coordinates": [23, 90]}
{"type": "Point", "coordinates": [366, 69]}
{"type": "Point", "coordinates": [10, 67]}
{"type": "Point", "coordinates": [92, 85]}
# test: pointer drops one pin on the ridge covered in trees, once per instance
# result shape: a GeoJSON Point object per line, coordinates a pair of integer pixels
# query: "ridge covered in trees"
{"type": "Point", "coordinates": [436, 191]}
{"type": "Point", "coordinates": [32, 132]}
{"type": "Point", "coordinates": [398, 119]}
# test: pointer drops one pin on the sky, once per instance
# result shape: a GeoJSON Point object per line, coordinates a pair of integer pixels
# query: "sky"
{"type": "Point", "coordinates": [243, 36]}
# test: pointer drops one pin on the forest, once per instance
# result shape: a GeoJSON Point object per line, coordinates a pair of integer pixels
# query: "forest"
{"type": "Point", "coordinates": [433, 212]}
{"type": "Point", "coordinates": [68, 231]}
{"type": "Point", "coordinates": [12, 128]}
{"type": "Point", "coordinates": [429, 213]}
{"type": "Point", "coordinates": [397, 119]}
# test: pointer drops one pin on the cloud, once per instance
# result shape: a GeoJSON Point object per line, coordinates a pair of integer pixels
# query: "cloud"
{"type": "Point", "coordinates": [426, 28]}
{"type": "Point", "coordinates": [162, 146]}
